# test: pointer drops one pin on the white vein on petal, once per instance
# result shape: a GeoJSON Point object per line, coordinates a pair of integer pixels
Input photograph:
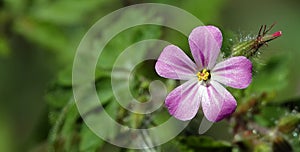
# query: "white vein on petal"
{"type": "Point", "coordinates": [194, 89]}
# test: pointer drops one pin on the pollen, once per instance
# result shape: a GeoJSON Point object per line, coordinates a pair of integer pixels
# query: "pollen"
{"type": "Point", "coordinates": [203, 75]}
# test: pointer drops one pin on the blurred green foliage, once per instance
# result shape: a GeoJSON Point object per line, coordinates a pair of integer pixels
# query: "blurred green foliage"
{"type": "Point", "coordinates": [38, 40]}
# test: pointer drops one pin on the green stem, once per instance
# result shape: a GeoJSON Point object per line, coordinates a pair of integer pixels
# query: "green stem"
{"type": "Point", "coordinates": [241, 48]}
{"type": "Point", "coordinates": [250, 48]}
{"type": "Point", "coordinates": [53, 133]}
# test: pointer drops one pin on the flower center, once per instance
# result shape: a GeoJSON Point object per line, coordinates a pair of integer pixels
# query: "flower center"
{"type": "Point", "coordinates": [203, 75]}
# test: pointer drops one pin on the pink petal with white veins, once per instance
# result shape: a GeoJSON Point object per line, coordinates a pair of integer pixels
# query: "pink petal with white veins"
{"type": "Point", "coordinates": [235, 72]}
{"type": "Point", "coordinates": [184, 101]}
{"type": "Point", "coordinates": [217, 102]}
{"type": "Point", "coordinates": [205, 44]}
{"type": "Point", "coordinates": [175, 64]}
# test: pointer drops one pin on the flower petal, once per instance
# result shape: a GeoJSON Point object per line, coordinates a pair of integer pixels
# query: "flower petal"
{"type": "Point", "coordinates": [217, 102]}
{"type": "Point", "coordinates": [175, 64]}
{"type": "Point", "coordinates": [205, 44]}
{"type": "Point", "coordinates": [235, 72]}
{"type": "Point", "coordinates": [184, 101]}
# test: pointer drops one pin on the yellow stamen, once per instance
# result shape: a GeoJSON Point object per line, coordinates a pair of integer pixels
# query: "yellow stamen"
{"type": "Point", "coordinates": [203, 75]}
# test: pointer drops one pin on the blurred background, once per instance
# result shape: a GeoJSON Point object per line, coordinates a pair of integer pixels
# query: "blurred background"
{"type": "Point", "coordinates": [38, 40]}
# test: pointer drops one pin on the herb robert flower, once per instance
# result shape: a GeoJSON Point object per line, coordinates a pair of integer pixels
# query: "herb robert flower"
{"type": "Point", "coordinates": [204, 78]}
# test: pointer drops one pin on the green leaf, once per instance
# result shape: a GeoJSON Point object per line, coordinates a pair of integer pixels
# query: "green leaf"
{"type": "Point", "coordinates": [262, 147]}
{"type": "Point", "coordinates": [206, 11]}
{"type": "Point", "coordinates": [6, 141]}
{"type": "Point", "coordinates": [43, 34]}
{"type": "Point", "coordinates": [161, 116]}
{"type": "Point", "coordinates": [4, 47]}
{"type": "Point", "coordinates": [206, 144]}
{"type": "Point", "coordinates": [269, 77]}
{"type": "Point", "coordinates": [97, 113]}
{"type": "Point", "coordinates": [269, 115]}
{"type": "Point", "coordinates": [89, 142]}
{"type": "Point", "coordinates": [128, 37]}
{"type": "Point", "coordinates": [64, 77]}
{"type": "Point", "coordinates": [15, 6]}
{"type": "Point", "coordinates": [123, 40]}
{"type": "Point", "coordinates": [289, 123]}
{"type": "Point", "coordinates": [65, 12]}
{"type": "Point", "coordinates": [69, 132]}
{"type": "Point", "coordinates": [64, 134]}
{"type": "Point", "coordinates": [58, 96]}
{"type": "Point", "coordinates": [104, 90]}
{"type": "Point", "coordinates": [176, 146]}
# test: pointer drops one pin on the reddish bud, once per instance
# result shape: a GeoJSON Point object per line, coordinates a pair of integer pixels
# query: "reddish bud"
{"type": "Point", "coordinates": [277, 34]}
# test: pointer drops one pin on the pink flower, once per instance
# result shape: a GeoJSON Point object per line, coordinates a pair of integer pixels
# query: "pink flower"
{"type": "Point", "coordinates": [204, 78]}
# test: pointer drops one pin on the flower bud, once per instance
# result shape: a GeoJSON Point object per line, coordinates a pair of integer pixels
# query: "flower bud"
{"type": "Point", "coordinates": [250, 47]}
